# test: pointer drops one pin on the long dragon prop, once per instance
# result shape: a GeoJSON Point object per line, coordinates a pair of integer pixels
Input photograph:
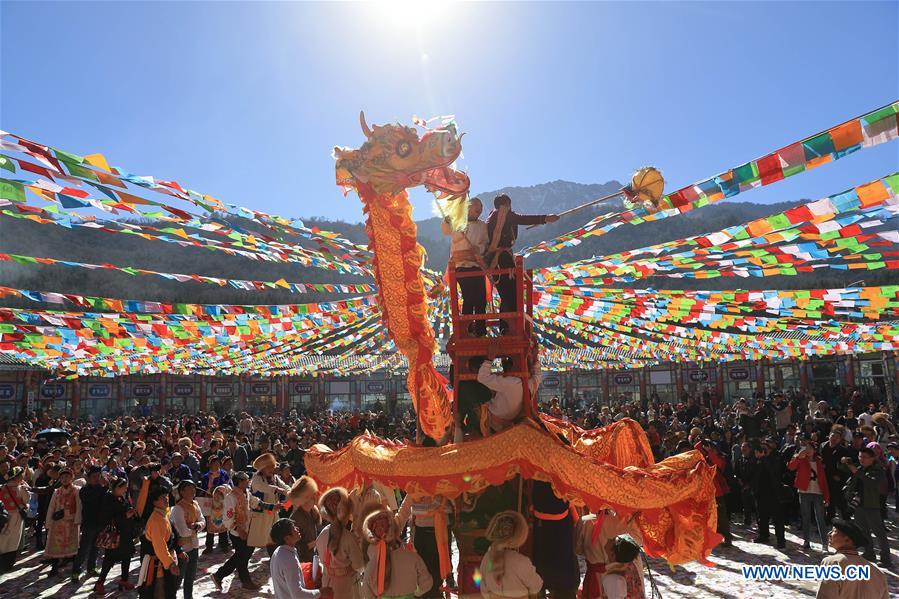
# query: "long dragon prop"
{"type": "Point", "coordinates": [393, 159]}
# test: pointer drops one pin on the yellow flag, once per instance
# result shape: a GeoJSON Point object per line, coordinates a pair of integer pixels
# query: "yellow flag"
{"type": "Point", "coordinates": [98, 160]}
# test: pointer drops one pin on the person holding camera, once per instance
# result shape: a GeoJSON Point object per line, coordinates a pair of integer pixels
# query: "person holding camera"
{"type": "Point", "coordinates": [814, 492]}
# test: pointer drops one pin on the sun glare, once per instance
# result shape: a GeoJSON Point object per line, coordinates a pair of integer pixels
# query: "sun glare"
{"type": "Point", "coordinates": [412, 14]}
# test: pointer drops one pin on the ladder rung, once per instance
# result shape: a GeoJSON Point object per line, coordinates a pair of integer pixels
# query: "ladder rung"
{"type": "Point", "coordinates": [474, 377]}
{"type": "Point", "coordinates": [488, 316]}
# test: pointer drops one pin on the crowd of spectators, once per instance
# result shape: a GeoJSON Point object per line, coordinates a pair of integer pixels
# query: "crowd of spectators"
{"type": "Point", "coordinates": [784, 460]}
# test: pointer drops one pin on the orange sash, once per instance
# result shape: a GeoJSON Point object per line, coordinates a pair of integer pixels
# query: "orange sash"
{"type": "Point", "coordinates": [442, 538]}
{"type": "Point", "coordinates": [382, 565]}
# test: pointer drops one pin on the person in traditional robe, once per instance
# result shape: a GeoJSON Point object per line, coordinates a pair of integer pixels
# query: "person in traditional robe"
{"type": "Point", "coordinates": [846, 537]}
{"type": "Point", "coordinates": [159, 557]}
{"type": "Point", "coordinates": [370, 493]}
{"type": "Point", "coordinates": [553, 547]}
{"type": "Point", "coordinates": [504, 571]}
{"type": "Point", "coordinates": [337, 547]}
{"type": "Point", "coordinates": [268, 488]}
{"type": "Point", "coordinates": [214, 479]}
{"type": "Point", "coordinates": [238, 505]}
{"type": "Point", "coordinates": [594, 540]}
{"type": "Point", "coordinates": [430, 535]}
{"type": "Point", "coordinates": [187, 521]}
{"type": "Point", "coordinates": [14, 497]}
{"type": "Point", "coordinates": [622, 579]}
{"type": "Point", "coordinates": [393, 571]}
{"type": "Point", "coordinates": [303, 497]}
{"type": "Point", "coordinates": [63, 522]}
{"type": "Point", "coordinates": [215, 518]}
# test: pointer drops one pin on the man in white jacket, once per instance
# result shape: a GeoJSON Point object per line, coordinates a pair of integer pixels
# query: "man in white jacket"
{"type": "Point", "coordinates": [287, 578]}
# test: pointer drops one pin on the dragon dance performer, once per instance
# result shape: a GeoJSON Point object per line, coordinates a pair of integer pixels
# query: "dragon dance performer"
{"type": "Point", "coordinates": [430, 536]}
{"type": "Point", "coordinates": [269, 489]}
{"type": "Point", "coordinates": [505, 571]}
{"type": "Point", "coordinates": [303, 497]}
{"type": "Point", "coordinates": [595, 540]}
{"type": "Point", "coordinates": [337, 547]}
{"type": "Point", "coordinates": [502, 228]}
{"type": "Point", "coordinates": [393, 571]}
{"type": "Point", "coordinates": [467, 249]}
{"type": "Point", "coordinates": [554, 555]}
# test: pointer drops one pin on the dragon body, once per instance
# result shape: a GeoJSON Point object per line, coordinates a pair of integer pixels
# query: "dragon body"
{"type": "Point", "coordinates": [395, 158]}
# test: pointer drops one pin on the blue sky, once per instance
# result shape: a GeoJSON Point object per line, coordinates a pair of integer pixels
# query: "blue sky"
{"type": "Point", "coordinates": [245, 100]}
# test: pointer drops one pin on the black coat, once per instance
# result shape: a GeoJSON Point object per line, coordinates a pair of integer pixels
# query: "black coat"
{"type": "Point", "coordinates": [114, 510]}
{"type": "Point", "coordinates": [554, 556]}
{"type": "Point", "coordinates": [767, 483]}
{"type": "Point", "coordinates": [92, 505]}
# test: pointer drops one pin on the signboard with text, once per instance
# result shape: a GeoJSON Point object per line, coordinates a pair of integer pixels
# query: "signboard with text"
{"type": "Point", "coordinates": [223, 389]}
{"type": "Point", "coordinates": [8, 391]}
{"type": "Point", "coordinates": [142, 390]}
{"type": "Point", "coordinates": [551, 382]}
{"type": "Point", "coordinates": [99, 390]}
{"type": "Point", "coordinates": [261, 388]}
{"type": "Point", "coordinates": [738, 374]}
{"type": "Point", "coordinates": [302, 388]}
{"type": "Point", "coordinates": [53, 391]}
{"type": "Point", "coordinates": [623, 378]}
{"type": "Point", "coordinates": [699, 376]}
{"type": "Point", "coordinates": [183, 389]}
{"type": "Point", "coordinates": [375, 386]}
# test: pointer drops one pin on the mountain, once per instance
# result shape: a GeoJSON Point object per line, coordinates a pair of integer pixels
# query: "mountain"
{"type": "Point", "coordinates": [21, 236]}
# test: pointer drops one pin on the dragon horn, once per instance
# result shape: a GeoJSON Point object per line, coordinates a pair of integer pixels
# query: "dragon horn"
{"type": "Point", "coordinates": [362, 122]}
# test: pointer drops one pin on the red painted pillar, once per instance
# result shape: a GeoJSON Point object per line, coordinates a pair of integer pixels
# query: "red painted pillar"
{"type": "Point", "coordinates": [76, 399]}
{"type": "Point", "coordinates": [26, 389]}
{"type": "Point", "coordinates": [850, 371]}
{"type": "Point", "coordinates": [760, 376]}
{"type": "Point", "coordinates": [644, 375]}
{"type": "Point", "coordinates": [282, 389]}
{"type": "Point", "coordinates": [120, 398]}
{"type": "Point", "coordinates": [678, 381]}
{"type": "Point", "coordinates": [719, 382]}
{"type": "Point", "coordinates": [163, 395]}
{"type": "Point", "coordinates": [803, 375]}
{"type": "Point", "coordinates": [202, 383]}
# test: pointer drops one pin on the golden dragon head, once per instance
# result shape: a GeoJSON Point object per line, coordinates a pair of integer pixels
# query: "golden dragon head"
{"type": "Point", "coordinates": [395, 158]}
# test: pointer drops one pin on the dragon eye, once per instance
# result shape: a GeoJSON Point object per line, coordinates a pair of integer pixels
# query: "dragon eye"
{"type": "Point", "coordinates": [403, 149]}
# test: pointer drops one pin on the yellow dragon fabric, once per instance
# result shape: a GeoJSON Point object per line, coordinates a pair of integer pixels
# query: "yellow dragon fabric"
{"type": "Point", "coordinates": [393, 159]}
